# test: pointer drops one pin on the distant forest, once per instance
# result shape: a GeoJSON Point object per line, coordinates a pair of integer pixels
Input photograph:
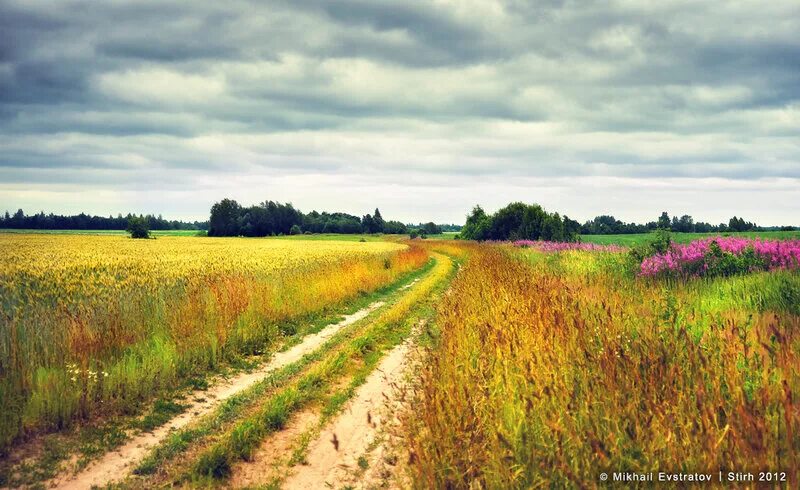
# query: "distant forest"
{"type": "Point", "coordinates": [608, 225]}
{"type": "Point", "coordinates": [517, 220]}
{"type": "Point", "coordinates": [229, 218]}
{"type": "Point", "coordinates": [41, 221]}
{"type": "Point", "coordinates": [520, 221]}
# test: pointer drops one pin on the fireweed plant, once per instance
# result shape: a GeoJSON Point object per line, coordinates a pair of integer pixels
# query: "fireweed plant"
{"type": "Point", "coordinates": [723, 256]}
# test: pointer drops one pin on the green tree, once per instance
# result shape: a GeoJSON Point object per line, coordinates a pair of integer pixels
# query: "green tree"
{"type": "Point", "coordinates": [368, 224]}
{"type": "Point", "coordinates": [431, 228]}
{"type": "Point", "coordinates": [395, 228]}
{"type": "Point", "coordinates": [379, 223]}
{"type": "Point", "coordinates": [138, 227]}
{"type": "Point", "coordinates": [663, 221]}
{"type": "Point", "coordinates": [225, 218]}
{"type": "Point", "coordinates": [477, 225]}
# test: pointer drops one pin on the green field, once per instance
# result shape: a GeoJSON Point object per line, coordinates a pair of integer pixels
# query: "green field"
{"type": "Point", "coordinates": [636, 238]}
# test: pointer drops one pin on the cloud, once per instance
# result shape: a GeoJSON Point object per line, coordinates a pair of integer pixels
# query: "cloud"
{"type": "Point", "coordinates": [172, 107]}
{"type": "Point", "coordinates": [158, 86]}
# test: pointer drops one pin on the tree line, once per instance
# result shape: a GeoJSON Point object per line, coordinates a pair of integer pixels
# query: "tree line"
{"type": "Point", "coordinates": [520, 221]}
{"type": "Point", "coordinates": [82, 221]}
{"type": "Point", "coordinates": [608, 225]}
{"type": "Point", "coordinates": [269, 218]}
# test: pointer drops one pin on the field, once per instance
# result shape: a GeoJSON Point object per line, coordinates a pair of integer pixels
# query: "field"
{"type": "Point", "coordinates": [156, 233]}
{"type": "Point", "coordinates": [637, 238]}
{"type": "Point", "coordinates": [560, 364]}
{"type": "Point", "coordinates": [96, 324]}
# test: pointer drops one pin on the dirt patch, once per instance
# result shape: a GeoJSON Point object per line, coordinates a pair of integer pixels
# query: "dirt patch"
{"type": "Point", "coordinates": [344, 450]}
{"type": "Point", "coordinates": [117, 464]}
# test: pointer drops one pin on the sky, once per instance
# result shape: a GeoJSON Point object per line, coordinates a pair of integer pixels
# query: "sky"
{"type": "Point", "coordinates": [420, 108]}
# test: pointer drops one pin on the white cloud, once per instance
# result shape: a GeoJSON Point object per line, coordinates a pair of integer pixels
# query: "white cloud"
{"type": "Point", "coordinates": [160, 86]}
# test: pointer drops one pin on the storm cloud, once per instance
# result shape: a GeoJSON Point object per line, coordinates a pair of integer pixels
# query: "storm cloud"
{"type": "Point", "coordinates": [423, 108]}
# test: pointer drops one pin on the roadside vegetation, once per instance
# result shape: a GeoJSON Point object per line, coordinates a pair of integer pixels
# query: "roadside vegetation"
{"type": "Point", "coordinates": [565, 364]}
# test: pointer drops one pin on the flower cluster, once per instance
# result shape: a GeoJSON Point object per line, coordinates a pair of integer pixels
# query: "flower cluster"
{"type": "Point", "coordinates": [724, 255]}
{"type": "Point", "coordinates": [562, 246]}
{"type": "Point", "coordinates": [77, 373]}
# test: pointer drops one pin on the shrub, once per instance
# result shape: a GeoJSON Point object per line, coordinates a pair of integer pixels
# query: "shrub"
{"type": "Point", "coordinates": [138, 228]}
{"type": "Point", "coordinates": [659, 244]}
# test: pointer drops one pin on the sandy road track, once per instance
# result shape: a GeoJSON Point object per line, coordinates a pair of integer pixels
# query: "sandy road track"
{"type": "Point", "coordinates": [117, 464]}
{"type": "Point", "coordinates": [358, 433]}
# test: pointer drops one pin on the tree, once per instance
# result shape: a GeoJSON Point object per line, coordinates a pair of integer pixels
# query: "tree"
{"type": "Point", "coordinates": [572, 229]}
{"type": "Point", "coordinates": [368, 224]}
{"type": "Point", "coordinates": [552, 228]}
{"type": "Point", "coordinates": [507, 221]}
{"type": "Point", "coordinates": [138, 227]}
{"type": "Point", "coordinates": [395, 228]}
{"type": "Point", "coordinates": [685, 224]}
{"type": "Point", "coordinates": [518, 221]}
{"type": "Point", "coordinates": [431, 228]}
{"type": "Point", "coordinates": [477, 225]}
{"type": "Point", "coordinates": [379, 223]}
{"type": "Point", "coordinates": [663, 221]}
{"type": "Point", "coordinates": [295, 230]}
{"type": "Point", "coordinates": [739, 224]}
{"type": "Point", "coordinates": [224, 219]}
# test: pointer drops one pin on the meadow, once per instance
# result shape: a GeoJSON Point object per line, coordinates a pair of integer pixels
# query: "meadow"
{"type": "Point", "coordinates": [544, 364]}
{"type": "Point", "coordinates": [632, 239]}
{"type": "Point", "coordinates": [97, 325]}
{"type": "Point", "coordinates": [563, 365]}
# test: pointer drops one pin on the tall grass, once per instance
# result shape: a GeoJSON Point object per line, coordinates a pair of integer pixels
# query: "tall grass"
{"type": "Point", "coordinates": [96, 325]}
{"type": "Point", "coordinates": [551, 369]}
{"type": "Point", "coordinates": [363, 349]}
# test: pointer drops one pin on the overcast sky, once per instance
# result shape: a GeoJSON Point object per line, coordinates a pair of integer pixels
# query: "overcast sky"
{"type": "Point", "coordinates": [422, 108]}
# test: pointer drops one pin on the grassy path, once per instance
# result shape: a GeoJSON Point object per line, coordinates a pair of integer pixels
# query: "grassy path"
{"type": "Point", "coordinates": [202, 402]}
{"type": "Point", "coordinates": [316, 377]}
{"type": "Point", "coordinates": [344, 449]}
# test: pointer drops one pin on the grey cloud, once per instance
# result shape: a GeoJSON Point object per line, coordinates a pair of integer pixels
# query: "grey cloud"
{"type": "Point", "coordinates": [406, 90]}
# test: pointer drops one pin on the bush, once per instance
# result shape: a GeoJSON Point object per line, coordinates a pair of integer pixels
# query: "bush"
{"type": "Point", "coordinates": [295, 230]}
{"type": "Point", "coordinates": [659, 244]}
{"type": "Point", "coordinates": [138, 228]}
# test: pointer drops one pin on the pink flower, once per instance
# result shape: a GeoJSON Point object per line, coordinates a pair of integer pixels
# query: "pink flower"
{"type": "Point", "coordinates": [562, 246]}
{"type": "Point", "coordinates": [691, 258]}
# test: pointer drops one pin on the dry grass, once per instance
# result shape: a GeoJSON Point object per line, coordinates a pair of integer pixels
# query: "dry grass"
{"type": "Point", "coordinates": [552, 369]}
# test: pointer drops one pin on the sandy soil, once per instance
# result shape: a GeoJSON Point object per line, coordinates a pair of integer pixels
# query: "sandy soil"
{"type": "Point", "coordinates": [271, 459]}
{"type": "Point", "coordinates": [117, 464]}
{"type": "Point", "coordinates": [358, 432]}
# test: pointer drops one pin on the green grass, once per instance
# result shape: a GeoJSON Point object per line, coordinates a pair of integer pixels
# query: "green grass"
{"type": "Point", "coordinates": [637, 238]}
